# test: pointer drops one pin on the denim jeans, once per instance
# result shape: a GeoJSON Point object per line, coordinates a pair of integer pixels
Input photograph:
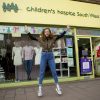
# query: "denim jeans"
{"type": "Point", "coordinates": [47, 57]}
{"type": "Point", "coordinates": [28, 66]}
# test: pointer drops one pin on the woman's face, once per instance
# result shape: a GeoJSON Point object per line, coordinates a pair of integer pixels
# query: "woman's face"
{"type": "Point", "coordinates": [47, 32]}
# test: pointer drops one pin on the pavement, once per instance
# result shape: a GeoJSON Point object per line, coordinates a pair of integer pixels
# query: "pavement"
{"type": "Point", "coordinates": [78, 90]}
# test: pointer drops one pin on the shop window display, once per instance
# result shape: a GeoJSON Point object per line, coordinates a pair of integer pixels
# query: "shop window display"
{"type": "Point", "coordinates": [36, 59]}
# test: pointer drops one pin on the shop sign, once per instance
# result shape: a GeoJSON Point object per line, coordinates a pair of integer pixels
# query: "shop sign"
{"type": "Point", "coordinates": [9, 7]}
{"type": "Point", "coordinates": [52, 12]}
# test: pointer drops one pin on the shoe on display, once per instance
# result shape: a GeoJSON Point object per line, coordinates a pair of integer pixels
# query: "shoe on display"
{"type": "Point", "coordinates": [59, 92]}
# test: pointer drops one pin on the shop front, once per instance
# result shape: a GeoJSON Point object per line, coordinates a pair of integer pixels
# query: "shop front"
{"type": "Point", "coordinates": [76, 55]}
{"type": "Point", "coordinates": [88, 51]}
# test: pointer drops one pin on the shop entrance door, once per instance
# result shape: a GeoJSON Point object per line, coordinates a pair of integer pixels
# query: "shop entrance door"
{"type": "Point", "coordinates": [85, 56]}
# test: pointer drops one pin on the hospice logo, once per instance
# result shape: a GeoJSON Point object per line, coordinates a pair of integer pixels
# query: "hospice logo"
{"type": "Point", "coordinates": [10, 7]}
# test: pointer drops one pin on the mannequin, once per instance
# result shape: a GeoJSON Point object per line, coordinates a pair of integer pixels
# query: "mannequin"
{"type": "Point", "coordinates": [38, 51]}
{"type": "Point", "coordinates": [28, 52]}
{"type": "Point", "coordinates": [17, 58]}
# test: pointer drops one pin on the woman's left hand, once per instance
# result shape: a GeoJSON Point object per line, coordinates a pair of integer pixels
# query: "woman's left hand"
{"type": "Point", "coordinates": [67, 28]}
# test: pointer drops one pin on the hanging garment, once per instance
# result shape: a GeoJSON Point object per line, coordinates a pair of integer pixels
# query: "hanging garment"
{"type": "Point", "coordinates": [38, 55]}
{"type": "Point", "coordinates": [17, 55]}
{"type": "Point", "coordinates": [28, 52]}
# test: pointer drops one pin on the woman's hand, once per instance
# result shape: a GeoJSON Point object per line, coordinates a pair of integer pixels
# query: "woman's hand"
{"type": "Point", "coordinates": [26, 28]}
{"type": "Point", "coordinates": [67, 28]}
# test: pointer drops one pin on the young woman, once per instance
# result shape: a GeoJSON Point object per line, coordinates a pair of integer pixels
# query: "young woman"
{"type": "Point", "coordinates": [47, 41]}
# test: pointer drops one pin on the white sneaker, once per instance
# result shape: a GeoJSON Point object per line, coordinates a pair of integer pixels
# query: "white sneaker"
{"type": "Point", "coordinates": [40, 93]}
{"type": "Point", "coordinates": [59, 91]}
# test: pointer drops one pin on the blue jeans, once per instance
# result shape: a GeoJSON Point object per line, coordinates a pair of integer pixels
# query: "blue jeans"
{"type": "Point", "coordinates": [47, 57]}
{"type": "Point", "coordinates": [28, 66]}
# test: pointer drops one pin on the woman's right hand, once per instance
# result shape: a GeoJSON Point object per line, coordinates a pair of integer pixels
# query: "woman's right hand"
{"type": "Point", "coordinates": [26, 28]}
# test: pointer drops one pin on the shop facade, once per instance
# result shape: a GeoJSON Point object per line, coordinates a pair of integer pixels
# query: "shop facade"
{"type": "Point", "coordinates": [76, 55]}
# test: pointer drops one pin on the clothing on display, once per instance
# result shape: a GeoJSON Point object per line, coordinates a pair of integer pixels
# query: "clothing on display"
{"type": "Point", "coordinates": [38, 51]}
{"type": "Point", "coordinates": [28, 55]}
{"type": "Point", "coordinates": [28, 52]}
{"type": "Point", "coordinates": [17, 55]}
{"type": "Point", "coordinates": [3, 52]}
{"type": "Point", "coordinates": [61, 43]}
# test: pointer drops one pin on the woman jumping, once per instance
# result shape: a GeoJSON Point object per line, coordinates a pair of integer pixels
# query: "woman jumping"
{"type": "Point", "coordinates": [47, 41]}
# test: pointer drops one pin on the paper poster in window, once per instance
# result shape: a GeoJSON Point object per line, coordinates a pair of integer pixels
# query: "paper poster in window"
{"type": "Point", "coordinates": [69, 42]}
{"type": "Point", "coordinates": [70, 52]}
{"type": "Point", "coordinates": [70, 62]}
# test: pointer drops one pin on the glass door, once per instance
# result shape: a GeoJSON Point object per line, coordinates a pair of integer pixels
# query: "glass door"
{"type": "Point", "coordinates": [85, 56]}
